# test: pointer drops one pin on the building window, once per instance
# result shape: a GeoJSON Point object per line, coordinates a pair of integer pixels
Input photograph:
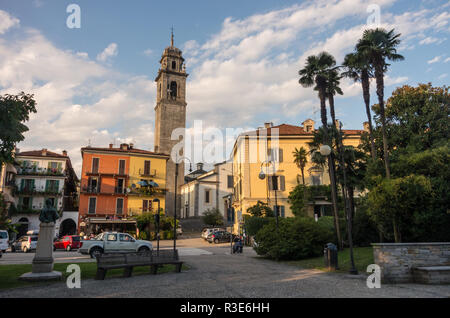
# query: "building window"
{"type": "Point", "coordinates": [174, 65]}
{"type": "Point", "coordinates": [147, 167]}
{"type": "Point", "coordinates": [120, 186]}
{"type": "Point", "coordinates": [207, 198]}
{"type": "Point", "coordinates": [92, 205]}
{"type": "Point", "coordinates": [308, 128]}
{"type": "Point", "coordinates": [95, 164]}
{"type": "Point", "coordinates": [121, 167]}
{"type": "Point", "coordinates": [119, 206]}
{"type": "Point", "coordinates": [52, 186]}
{"type": "Point", "coordinates": [230, 182]}
{"type": "Point", "coordinates": [173, 89]}
{"type": "Point", "coordinates": [146, 205]}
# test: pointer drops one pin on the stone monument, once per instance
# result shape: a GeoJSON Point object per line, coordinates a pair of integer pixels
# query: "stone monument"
{"type": "Point", "coordinates": [42, 266]}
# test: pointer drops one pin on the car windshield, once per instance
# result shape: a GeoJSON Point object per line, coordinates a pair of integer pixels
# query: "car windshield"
{"type": "Point", "coordinates": [3, 235]}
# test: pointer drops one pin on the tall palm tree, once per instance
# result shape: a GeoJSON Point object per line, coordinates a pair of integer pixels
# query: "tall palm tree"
{"type": "Point", "coordinates": [333, 81]}
{"type": "Point", "coordinates": [378, 46]}
{"type": "Point", "coordinates": [301, 159]}
{"type": "Point", "coordinates": [316, 73]}
{"type": "Point", "coordinates": [358, 68]}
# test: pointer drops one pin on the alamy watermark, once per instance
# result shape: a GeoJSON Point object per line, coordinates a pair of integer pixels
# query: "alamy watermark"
{"type": "Point", "coordinates": [374, 279]}
{"type": "Point", "coordinates": [74, 279]}
{"type": "Point", "coordinates": [74, 19]}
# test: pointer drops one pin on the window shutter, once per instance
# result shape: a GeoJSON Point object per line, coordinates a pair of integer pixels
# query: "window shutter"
{"type": "Point", "coordinates": [282, 183]}
{"type": "Point", "coordinates": [49, 166]}
{"type": "Point", "coordinates": [282, 211]}
{"type": "Point", "coordinates": [280, 155]}
{"type": "Point", "coordinates": [270, 183]}
{"type": "Point", "coordinates": [22, 184]}
{"type": "Point", "coordinates": [47, 185]}
{"type": "Point", "coordinates": [56, 185]}
{"type": "Point", "coordinates": [59, 166]}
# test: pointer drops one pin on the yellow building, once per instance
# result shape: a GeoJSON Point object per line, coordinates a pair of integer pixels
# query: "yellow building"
{"type": "Point", "coordinates": [146, 167]}
{"type": "Point", "coordinates": [270, 149]}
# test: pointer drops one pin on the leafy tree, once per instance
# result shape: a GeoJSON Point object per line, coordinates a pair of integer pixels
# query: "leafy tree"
{"type": "Point", "coordinates": [378, 46]}
{"type": "Point", "coordinates": [253, 224]}
{"type": "Point", "coordinates": [400, 201]}
{"type": "Point", "coordinates": [301, 159]}
{"type": "Point", "coordinates": [212, 217]}
{"type": "Point", "coordinates": [14, 110]}
{"type": "Point", "coordinates": [260, 209]}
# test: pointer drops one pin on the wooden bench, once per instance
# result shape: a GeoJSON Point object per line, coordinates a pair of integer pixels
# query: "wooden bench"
{"type": "Point", "coordinates": [128, 261]}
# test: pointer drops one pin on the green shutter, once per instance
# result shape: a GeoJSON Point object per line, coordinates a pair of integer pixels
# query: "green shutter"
{"type": "Point", "coordinates": [59, 166]}
{"type": "Point", "coordinates": [57, 186]}
{"type": "Point", "coordinates": [49, 166]}
{"type": "Point", "coordinates": [31, 203]}
{"type": "Point", "coordinates": [22, 184]}
{"type": "Point", "coordinates": [47, 185]}
{"type": "Point", "coordinates": [32, 184]}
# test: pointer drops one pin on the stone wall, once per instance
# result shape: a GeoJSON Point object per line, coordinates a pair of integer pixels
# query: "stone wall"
{"type": "Point", "coordinates": [397, 259]}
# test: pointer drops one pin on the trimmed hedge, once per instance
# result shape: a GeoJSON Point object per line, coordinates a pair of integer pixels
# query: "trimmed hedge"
{"type": "Point", "coordinates": [296, 238]}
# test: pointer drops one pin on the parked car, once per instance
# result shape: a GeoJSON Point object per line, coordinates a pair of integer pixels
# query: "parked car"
{"type": "Point", "coordinates": [4, 241]}
{"type": "Point", "coordinates": [68, 243]}
{"type": "Point", "coordinates": [207, 231]}
{"type": "Point", "coordinates": [219, 237]}
{"type": "Point", "coordinates": [25, 244]}
{"type": "Point", "coordinates": [179, 230]}
{"type": "Point", "coordinates": [113, 242]}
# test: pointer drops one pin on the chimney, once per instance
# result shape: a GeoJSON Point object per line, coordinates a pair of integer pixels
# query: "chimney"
{"type": "Point", "coordinates": [110, 146]}
{"type": "Point", "coordinates": [268, 125]}
{"type": "Point", "coordinates": [64, 152]}
{"type": "Point", "coordinates": [124, 146]}
{"type": "Point", "coordinates": [131, 145]}
{"type": "Point", "coordinates": [366, 126]}
{"type": "Point", "coordinates": [44, 151]}
{"type": "Point", "coordinates": [200, 166]}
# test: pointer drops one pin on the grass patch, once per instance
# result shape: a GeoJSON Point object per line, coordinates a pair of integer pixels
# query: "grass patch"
{"type": "Point", "coordinates": [363, 256]}
{"type": "Point", "coordinates": [9, 274]}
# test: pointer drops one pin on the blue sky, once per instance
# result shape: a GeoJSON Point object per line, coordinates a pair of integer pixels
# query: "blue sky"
{"type": "Point", "coordinates": [95, 84]}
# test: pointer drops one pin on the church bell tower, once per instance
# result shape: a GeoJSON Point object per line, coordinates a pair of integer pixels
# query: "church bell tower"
{"type": "Point", "coordinates": [170, 114]}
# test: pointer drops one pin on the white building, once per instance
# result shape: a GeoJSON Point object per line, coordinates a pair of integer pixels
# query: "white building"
{"type": "Point", "coordinates": [206, 190]}
{"type": "Point", "coordinates": [40, 175]}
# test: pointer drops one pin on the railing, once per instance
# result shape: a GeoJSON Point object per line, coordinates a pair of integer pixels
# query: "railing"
{"type": "Point", "coordinates": [35, 171]}
{"type": "Point", "coordinates": [150, 173]}
{"type": "Point", "coordinates": [120, 190]}
{"type": "Point", "coordinates": [90, 189]}
{"type": "Point", "coordinates": [34, 191]}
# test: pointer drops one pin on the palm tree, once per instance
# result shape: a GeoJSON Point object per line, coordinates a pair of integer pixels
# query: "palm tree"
{"type": "Point", "coordinates": [333, 81]}
{"type": "Point", "coordinates": [316, 72]}
{"type": "Point", "coordinates": [379, 45]}
{"type": "Point", "coordinates": [358, 68]}
{"type": "Point", "coordinates": [300, 159]}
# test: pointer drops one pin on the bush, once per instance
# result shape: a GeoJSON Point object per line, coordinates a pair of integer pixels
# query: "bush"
{"type": "Point", "coordinates": [253, 224]}
{"type": "Point", "coordinates": [364, 229]}
{"type": "Point", "coordinates": [212, 217]}
{"type": "Point", "coordinates": [296, 238]}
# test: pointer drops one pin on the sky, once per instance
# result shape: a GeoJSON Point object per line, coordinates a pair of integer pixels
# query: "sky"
{"type": "Point", "coordinates": [95, 84]}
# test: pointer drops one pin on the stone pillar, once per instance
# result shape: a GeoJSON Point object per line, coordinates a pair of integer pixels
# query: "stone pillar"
{"type": "Point", "coordinates": [42, 265]}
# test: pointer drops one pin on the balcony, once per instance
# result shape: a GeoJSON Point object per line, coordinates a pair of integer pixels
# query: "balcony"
{"type": "Point", "coordinates": [37, 192]}
{"type": "Point", "coordinates": [36, 171]}
{"type": "Point", "coordinates": [90, 189]}
{"type": "Point", "coordinates": [150, 173]}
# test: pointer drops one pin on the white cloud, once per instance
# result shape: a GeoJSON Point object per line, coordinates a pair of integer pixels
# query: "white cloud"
{"type": "Point", "coordinates": [110, 51]}
{"type": "Point", "coordinates": [442, 76]}
{"type": "Point", "coordinates": [435, 59]}
{"type": "Point", "coordinates": [148, 52]}
{"type": "Point", "coordinates": [7, 21]}
{"type": "Point", "coordinates": [447, 60]}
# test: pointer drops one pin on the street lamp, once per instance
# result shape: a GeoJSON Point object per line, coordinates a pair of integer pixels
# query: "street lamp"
{"type": "Point", "coordinates": [262, 176]}
{"type": "Point", "coordinates": [156, 200]}
{"type": "Point", "coordinates": [175, 199]}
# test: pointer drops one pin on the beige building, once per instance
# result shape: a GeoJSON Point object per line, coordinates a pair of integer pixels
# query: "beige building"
{"type": "Point", "coordinates": [270, 149]}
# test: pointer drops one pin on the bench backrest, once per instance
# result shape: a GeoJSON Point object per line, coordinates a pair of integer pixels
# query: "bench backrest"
{"type": "Point", "coordinates": [138, 258]}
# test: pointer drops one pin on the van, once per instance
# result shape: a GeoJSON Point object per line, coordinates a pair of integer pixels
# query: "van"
{"type": "Point", "coordinates": [4, 240]}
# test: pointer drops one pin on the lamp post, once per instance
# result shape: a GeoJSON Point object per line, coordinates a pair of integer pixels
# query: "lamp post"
{"type": "Point", "coordinates": [156, 200]}
{"type": "Point", "coordinates": [262, 176]}
{"type": "Point", "coordinates": [175, 199]}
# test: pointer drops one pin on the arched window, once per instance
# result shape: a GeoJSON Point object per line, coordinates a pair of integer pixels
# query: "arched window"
{"type": "Point", "coordinates": [173, 89]}
{"type": "Point", "coordinates": [174, 65]}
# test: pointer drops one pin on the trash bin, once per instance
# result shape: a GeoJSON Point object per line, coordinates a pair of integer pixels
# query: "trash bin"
{"type": "Point", "coordinates": [331, 257]}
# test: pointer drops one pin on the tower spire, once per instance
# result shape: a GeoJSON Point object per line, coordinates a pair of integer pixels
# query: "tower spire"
{"type": "Point", "coordinates": [171, 39]}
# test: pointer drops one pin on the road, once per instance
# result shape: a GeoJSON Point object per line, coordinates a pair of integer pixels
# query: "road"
{"type": "Point", "coordinates": [214, 272]}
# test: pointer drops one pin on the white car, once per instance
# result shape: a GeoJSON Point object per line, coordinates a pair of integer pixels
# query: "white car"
{"type": "Point", "coordinates": [207, 231]}
{"type": "Point", "coordinates": [25, 244]}
{"type": "Point", "coordinates": [113, 242]}
{"type": "Point", "coordinates": [4, 240]}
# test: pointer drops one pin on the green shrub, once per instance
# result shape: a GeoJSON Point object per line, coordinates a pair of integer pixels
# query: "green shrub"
{"type": "Point", "coordinates": [296, 238]}
{"type": "Point", "coordinates": [364, 229]}
{"type": "Point", "coordinates": [253, 224]}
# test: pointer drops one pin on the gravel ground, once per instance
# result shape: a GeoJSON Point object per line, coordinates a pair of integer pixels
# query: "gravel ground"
{"type": "Point", "coordinates": [220, 274]}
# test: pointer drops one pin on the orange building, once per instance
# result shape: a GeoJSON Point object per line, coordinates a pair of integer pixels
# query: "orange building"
{"type": "Point", "coordinates": [113, 187]}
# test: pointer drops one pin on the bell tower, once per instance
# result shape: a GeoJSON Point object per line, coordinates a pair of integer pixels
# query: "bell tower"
{"type": "Point", "coordinates": [170, 114]}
